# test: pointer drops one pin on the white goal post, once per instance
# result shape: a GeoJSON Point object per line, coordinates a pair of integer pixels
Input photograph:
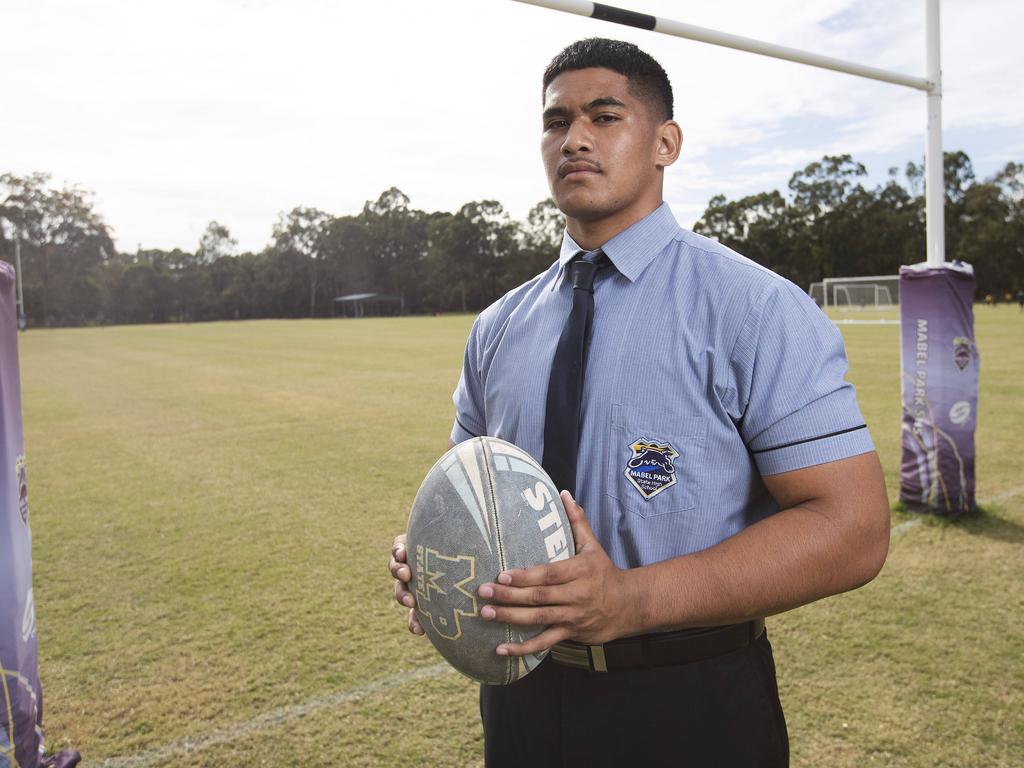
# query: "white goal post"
{"type": "Point", "coordinates": [931, 84]}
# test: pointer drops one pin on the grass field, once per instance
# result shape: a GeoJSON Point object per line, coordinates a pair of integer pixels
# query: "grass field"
{"type": "Point", "coordinates": [212, 507]}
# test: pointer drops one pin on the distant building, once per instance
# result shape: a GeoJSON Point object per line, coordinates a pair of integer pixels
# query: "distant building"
{"type": "Point", "coordinates": [367, 305]}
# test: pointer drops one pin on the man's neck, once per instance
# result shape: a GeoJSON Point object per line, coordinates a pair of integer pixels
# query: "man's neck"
{"type": "Point", "coordinates": [593, 234]}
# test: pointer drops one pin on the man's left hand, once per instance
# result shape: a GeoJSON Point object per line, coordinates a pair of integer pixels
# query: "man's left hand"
{"type": "Point", "coordinates": [585, 598]}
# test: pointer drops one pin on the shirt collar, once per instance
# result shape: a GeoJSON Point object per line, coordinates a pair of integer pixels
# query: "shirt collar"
{"type": "Point", "coordinates": [632, 249]}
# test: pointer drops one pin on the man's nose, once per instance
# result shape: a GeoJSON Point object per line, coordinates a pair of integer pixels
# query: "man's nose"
{"type": "Point", "coordinates": [577, 138]}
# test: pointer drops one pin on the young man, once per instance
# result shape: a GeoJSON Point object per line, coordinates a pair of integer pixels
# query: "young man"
{"type": "Point", "coordinates": [722, 461]}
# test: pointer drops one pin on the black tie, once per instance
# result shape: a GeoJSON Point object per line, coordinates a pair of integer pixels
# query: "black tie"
{"type": "Point", "coordinates": [565, 387]}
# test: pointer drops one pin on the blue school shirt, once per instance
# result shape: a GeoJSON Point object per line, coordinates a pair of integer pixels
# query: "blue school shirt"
{"type": "Point", "coordinates": [705, 372]}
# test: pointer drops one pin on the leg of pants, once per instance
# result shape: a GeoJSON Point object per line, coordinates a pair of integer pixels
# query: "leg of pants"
{"type": "Point", "coordinates": [719, 712]}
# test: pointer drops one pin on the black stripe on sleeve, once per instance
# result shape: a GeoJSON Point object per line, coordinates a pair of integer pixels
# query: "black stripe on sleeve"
{"type": "Point", "coordinates": [811, 439]}
{"type": "Point", "coordinates": [622, 16]}
{"type": "Point", "coordinates": [471, 432]}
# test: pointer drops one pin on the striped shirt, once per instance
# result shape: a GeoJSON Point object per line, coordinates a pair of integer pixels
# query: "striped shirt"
{"type": "Point", "coordinates": [705, 372]}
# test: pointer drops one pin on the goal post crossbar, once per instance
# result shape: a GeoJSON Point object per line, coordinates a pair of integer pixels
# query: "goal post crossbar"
{"type": "Point", "coordinates": [714, 37]}
{"type": "Point", "coordinates": [931, 84]}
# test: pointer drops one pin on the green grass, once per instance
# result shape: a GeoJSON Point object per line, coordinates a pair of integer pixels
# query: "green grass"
{"type": "Point", "coordinates": [213, 505]}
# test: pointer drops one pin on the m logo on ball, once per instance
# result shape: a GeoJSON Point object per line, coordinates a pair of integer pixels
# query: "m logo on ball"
{"type": "Point", "coordinates": [451, 578]}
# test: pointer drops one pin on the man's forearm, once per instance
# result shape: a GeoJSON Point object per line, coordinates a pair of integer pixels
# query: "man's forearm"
{"type": "Point", "coordinates": [832, 535]}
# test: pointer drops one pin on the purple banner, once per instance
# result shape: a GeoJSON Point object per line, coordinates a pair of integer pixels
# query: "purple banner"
{"type": "Point", "coordinates": [940, 388]}
{"type": "Point", "coordinates": [21, 737]}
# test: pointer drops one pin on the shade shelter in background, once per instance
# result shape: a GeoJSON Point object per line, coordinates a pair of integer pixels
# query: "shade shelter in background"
{"type": "Point", "coordinates": [367, 305]}
{"type": "Point", "coordinates": [930, 285]}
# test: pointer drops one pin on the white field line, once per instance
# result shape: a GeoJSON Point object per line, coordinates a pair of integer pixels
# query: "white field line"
{"type": "Point", "coordinates": [866, 322]}
{"type": "Point", "coordinates": [192, 744]}
{"type": "Point", "coordinates": [1005, 495]}
{"type": "Point", "coordinates": [903, 527]}
{"type": "Point", "coordinates": [276, 717]}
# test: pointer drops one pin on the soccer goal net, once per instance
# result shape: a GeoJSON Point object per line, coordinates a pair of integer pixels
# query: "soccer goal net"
{"type": "Point", "coordinates": [853, 293]}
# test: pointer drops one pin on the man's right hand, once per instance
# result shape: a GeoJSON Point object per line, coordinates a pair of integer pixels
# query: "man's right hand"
{"type": "Point", "coordinates": [403, 574]}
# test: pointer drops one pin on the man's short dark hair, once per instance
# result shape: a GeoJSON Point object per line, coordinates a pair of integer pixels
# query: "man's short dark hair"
{"type": "Point", "coordinates": [647, 80]}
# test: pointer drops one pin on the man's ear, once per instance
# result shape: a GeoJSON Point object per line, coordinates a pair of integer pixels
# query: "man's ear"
{"type": "Point", "coordinates": [670, 142]}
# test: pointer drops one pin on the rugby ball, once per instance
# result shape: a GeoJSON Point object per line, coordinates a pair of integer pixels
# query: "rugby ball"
{"type": "Point", "coordinates": [484, 507]}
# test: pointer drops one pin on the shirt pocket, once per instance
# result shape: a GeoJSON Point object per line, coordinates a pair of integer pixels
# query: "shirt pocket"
{"type": "Point", "coordinates": [654, 463]}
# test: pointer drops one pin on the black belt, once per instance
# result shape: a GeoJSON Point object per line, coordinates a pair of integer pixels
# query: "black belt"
{"type": "Point", "coordinates": [658, 650]}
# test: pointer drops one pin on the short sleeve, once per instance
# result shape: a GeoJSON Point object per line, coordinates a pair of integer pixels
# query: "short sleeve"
{"type": "Point", "coordinates": [468, 398]}
{"type": "Point", "coordinates": [789, 366]}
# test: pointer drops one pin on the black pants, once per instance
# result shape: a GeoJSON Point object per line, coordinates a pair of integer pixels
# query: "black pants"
{"type": "Point", "coordinates": [723, 711]}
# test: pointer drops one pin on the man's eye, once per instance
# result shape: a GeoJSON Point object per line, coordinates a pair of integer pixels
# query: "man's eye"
{"type": "Point", "coordinates": [606, 118]}
{"type": "Point", "coordinates": [554, 125]}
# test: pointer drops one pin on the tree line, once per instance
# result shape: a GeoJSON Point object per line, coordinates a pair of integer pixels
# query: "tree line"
{"type": "Point", "coordinates": [827, 224]}
{"type": "Point", "coordinates": [428, 262]}
{"type": "Point", "coordinates": [831, 225]}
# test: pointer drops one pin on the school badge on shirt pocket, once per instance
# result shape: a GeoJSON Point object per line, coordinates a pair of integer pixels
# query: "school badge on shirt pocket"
{"type": "Point", "coordinates": [651, 469]}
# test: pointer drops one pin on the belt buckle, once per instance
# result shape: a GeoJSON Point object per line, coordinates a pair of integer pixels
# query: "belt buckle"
{"type": "Point", "coordinates": [572, 654]}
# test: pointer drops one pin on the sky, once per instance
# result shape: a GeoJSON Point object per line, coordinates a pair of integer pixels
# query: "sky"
{"type": "Point", "coordinates": [176, 114]}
